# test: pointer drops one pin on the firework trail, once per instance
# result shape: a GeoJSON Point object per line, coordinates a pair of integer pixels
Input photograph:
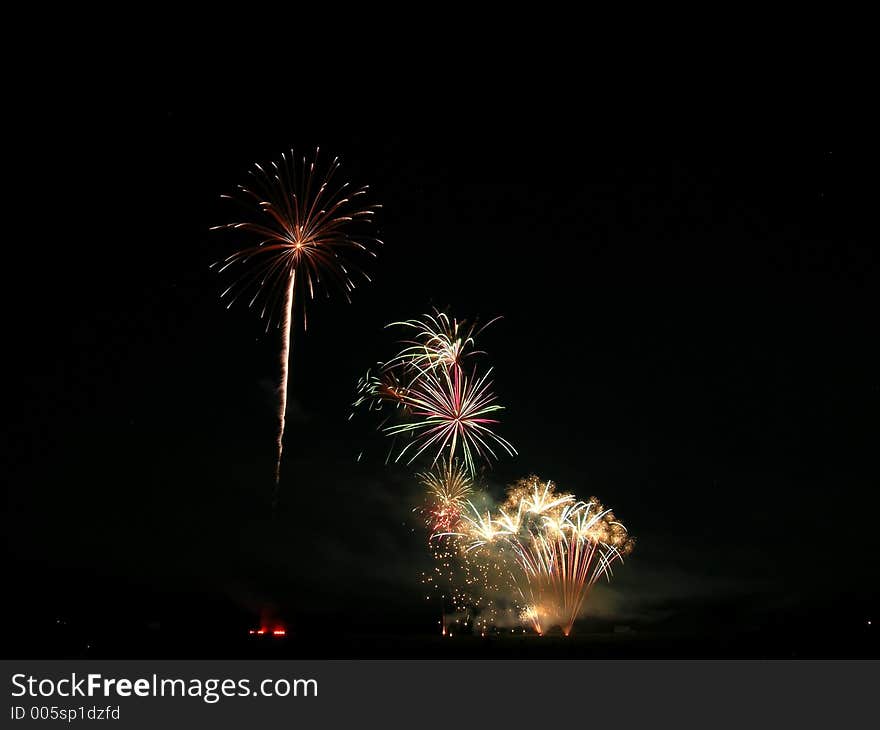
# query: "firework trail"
{"type": "Point", "coordinates": [442, 407]}
{"type": "Point", "coordinates": [304, 226]}
{"type": "Point", "coordinates": [286, 324]}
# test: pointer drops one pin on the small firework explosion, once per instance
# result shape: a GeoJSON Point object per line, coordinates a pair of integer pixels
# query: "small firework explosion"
{"type": "Point", "coordinates": [451, 412]}
{"type": "Point", "coordinates": [448, 486]}
{"type": "Point", "coordinates": [438, 341]}
{"type": "Point", "coordinates": [304, 228]}
{"type": "Point", "coordinates": [441, 408]}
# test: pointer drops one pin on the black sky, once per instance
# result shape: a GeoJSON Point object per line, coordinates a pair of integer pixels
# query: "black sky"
{"type": "Point", "coordinates": [689, 332]}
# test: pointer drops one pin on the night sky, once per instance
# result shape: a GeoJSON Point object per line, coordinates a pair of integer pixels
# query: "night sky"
{"type": "Point", "coordinates": [689, 333]}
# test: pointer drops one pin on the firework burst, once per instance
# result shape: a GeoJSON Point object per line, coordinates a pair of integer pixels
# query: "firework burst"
{"type": "Point", "coordinates": [550, 549]}
{"type": "Point", "coordinates": [448, 486]}
{"type": "Point", "coordinates": [451, 413]}
{"type": "Point", "coordinates": [442, 408]}
{"type": "Point", "coordinates": [304, 227]}
{"type": "Point", "coordinates": [438, 340]}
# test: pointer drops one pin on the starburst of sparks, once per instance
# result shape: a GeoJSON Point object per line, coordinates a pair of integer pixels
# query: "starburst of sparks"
{"type": "Point", "coordinates": [304, 227]}
{"type": "Point", "coordinates": [448, 486]}
{"type": "Point", "coordinates": [442, 408]}
{"type": "Point", "coordinates": [451, 412]}
{"type": "Point", "coordinates": [438, 340]}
